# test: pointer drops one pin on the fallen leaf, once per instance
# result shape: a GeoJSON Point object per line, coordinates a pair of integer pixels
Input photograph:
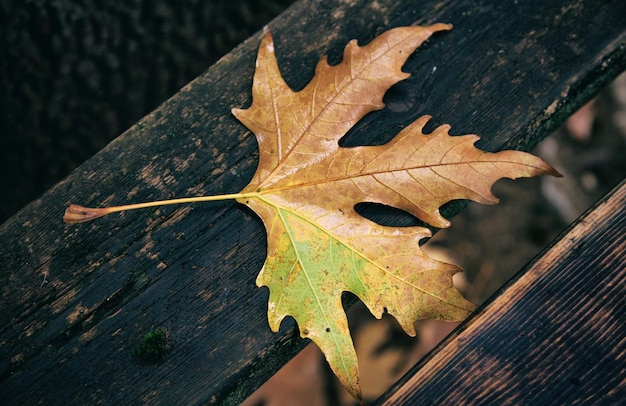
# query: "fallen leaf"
{"type": "Point", "coordinates": [306, 187]}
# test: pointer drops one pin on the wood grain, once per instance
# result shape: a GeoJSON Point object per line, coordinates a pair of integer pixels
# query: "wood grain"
{"type": "Point", "coordinates": [554, 335]}
{"type": "Point", "coordinates": [508, 73]}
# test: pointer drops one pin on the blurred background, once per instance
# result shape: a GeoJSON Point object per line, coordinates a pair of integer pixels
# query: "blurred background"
{"type": "Point", "coordinates": [76, 74]}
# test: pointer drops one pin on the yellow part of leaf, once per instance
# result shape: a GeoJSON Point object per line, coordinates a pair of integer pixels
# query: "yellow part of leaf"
{"type": "Point", "coordinates": [306, 186]}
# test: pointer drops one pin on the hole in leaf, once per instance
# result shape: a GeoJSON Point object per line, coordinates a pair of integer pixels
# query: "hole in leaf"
{"type": "Point", "coordinates": [387, 215]}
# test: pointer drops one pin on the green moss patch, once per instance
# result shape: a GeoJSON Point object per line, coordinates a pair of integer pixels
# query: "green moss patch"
{"type": "Point", "coordinates": [152, 348]}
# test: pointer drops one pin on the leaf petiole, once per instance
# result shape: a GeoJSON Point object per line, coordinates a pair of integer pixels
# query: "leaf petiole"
{"type": "Point", "coordinates": [79, 214]}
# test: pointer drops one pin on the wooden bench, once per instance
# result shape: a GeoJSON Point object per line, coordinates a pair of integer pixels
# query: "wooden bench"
{"type": "Point", "coordinates": [510, 72]}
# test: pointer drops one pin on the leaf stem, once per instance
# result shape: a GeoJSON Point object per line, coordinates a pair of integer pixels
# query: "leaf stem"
{"type": "Point", "coordinates": [79, 214]}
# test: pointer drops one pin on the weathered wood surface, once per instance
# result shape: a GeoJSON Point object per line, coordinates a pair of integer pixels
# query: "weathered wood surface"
{"type": "Point", "coordinates": [509, 73]}
{"type": "Point", "coordinates": [554, 336]}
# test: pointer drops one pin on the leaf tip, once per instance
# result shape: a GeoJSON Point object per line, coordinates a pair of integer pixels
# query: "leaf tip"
{"type": "Point", "coordinates": [554, 172]}
{"type": "Point", "coordinates": [267, 41]}
{"type": "Point", "coordinates": [235, 111]}
{"type": "Point", "coordinates": [440, 27]}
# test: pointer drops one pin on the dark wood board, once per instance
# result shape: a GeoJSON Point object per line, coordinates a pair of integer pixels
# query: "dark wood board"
{"type": "Point", "coordinates": [509, 73]}
{"type": "Point", "coordinates": [554, 336]}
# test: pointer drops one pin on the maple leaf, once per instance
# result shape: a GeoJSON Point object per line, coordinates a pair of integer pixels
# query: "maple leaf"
{"type": "Point", "coordinates": [306, 187]}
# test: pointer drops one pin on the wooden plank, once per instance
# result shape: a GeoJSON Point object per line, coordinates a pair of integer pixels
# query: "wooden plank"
{"type": "Point", "coordinates": [555, 335]}
{"type": "Point", "coordinates": [508, 73]}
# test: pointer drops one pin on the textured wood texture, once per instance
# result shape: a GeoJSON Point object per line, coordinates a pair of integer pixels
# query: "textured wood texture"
{"type": "Point", "coordinates": [509, 73]}
{"type": "Point", "coordinates": [554, 336]}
